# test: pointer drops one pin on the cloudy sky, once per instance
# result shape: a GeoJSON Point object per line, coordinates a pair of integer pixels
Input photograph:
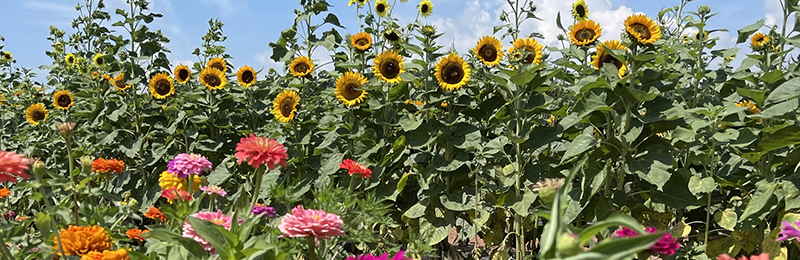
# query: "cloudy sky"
{"type": "Point", "coordinates": [252, 24]}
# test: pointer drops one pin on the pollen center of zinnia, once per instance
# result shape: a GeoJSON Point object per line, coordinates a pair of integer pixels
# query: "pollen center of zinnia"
{"type": "Point", "coordinates": [212, 80]}
{"type": "Point", "coordinates": [585, 34]}
{"type": "Point", "coordinates": [642, 30]}
{"type": "Point", "coordinates": [64, 100]}
{"type": "Point", "coordinates": [488, 52]}
{"type": "Point", "coordinates": [351, 91]}
{"type": "Point", "coordinates": [286, 107]}
{"type": "Point", "coordinates": [162, 87]}
{"type": "Point", "coordinates": [247, 76]}
{"type": "Point", "coordinates": [389, 69]}
{"type": "Point", "coordinates": [452, 73]}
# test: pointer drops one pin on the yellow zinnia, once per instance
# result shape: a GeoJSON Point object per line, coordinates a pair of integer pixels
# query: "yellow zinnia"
{"type": "Point", "coordinates": [168, 180]}
{"type": "Point", "coordinates": [452, 72]}
{"type": "Point", "coordinates": [348, 88]}
{"type": "Point", "coordinates": [285, 106]}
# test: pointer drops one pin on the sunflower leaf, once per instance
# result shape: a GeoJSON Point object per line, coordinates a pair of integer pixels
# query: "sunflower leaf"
{"type": "Point", "coordinates": [748, 30]}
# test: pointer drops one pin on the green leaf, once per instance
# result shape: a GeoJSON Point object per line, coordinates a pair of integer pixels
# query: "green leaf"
{"type": "Point", "coordinates": [416, 211]}
{"type": "Point", "coordinates": [581, 144]}
{"type": "Point", "coordinates": [522, 204]}
{"type": "Point", "coordinates": [624, 248]}
{"type": "Point", "coordinates": [189, 244]}
{"type": "Point", "coordinates": [699, 185]}
{"type": "Point", "coordinates": [748, 30]}
{"type": "Point", "coordinates": [398, 91]}
{"type": "Point", "coordinates": [45, 224]}
{"type": "Point", "coordinates": [616, 220]}
{"type": "Point", "coordinates": [752, 216]}
{"type": "Point", "coordinates": [216, 237]}
{"type": "Point", "coordinates": [788, 90]}
{"type": "Point", "coordinates": [654, 167]}
{"type": "Point", "coordinates": [726, 219]}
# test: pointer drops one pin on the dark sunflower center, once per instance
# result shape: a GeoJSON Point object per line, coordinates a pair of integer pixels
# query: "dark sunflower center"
{"type": "Point", "coordinates": [183, 74]}
{"type": "Point", "coordinates": [585, 34]}
{"type": "Point", "coordinates": [580, 10]}
{"type": "Point", "coordinates": [286, 107]}
{"type": "Point", "coordinates": [100, 61]}
{"type": "Point", "coordinates": [531, 55]}
{"type": "Point", "coordinates": [642, 30]}
{"type": "Point", "coordinates": [389, 69]}
{"type": "Point", "coordinates": [760, 39]}
{"type": "Point", "coordinates": [6, 56]}
{"type": "Point", "coordinates": [362, 42]}
{"type": "Point", "coordinates": [392, 36]}
{"type": "Point", "coordinates": [247, 76]}
{"type": "Point", "coordinates": [301, 67]}
{"type": "Point", "coordinates": [699, 36]}
{"type": "Point", "coordinates": [38, 115]}
{"type": "Point", "coordinates": [351, 91]}
{"type": "Point", "coordinates": [70, 59]}
{"type": "Point", "coordinates": [64, 100]}
{"type": "Point", "coordinates": [212, 80]}
{"type": "Point", "coordinates": [219, 66]}
{"type": "Point", "coordinates": [424, 8]}
{"type": "Point", "coordinates": [380, 8]}
{"type": "Point", "coordinates": [163, 87]}
{"type": "Point", "coordinates": [610, 59]}
{"type": "Point", "coordinates": [452, 73]}
{"type": "Point", "coordinates": [488, 52]}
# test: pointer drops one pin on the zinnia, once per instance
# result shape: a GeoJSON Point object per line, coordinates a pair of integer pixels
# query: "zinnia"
{"type": "Point", "coordinates": [214, 217]}
{"type": "Point", "coordinates": [136, 234]}
{"type": "Point", "coordinates": [79, 241]}
{"type": "Point", "coordinates": [119, 254]}
{"type": "Point", "coordinates": [311, 223]}
{"type": "Point", "coordinates": [665, 245]}
{"type": "Point", "coordinates": [104, 166]}
{"type": "Point", "coordinates": [168, 180]}
{"type": "Point", "coordinates": [763, 256]}
{"type": "Point", "coordinates": [259, 150]}
{"type": "Point", "coordinates": [175, 193]}
{"type": "Point", "coordinates": [154, 213]}
{"type": "Point", "coordinates": [355, 168]}
{"type": "Point", "coordinates": [13, 165]}
{"type": "Point", "coordinates": [213, 189]}
{"type": "Point", "coordinates": [261, 209]}
{"type": "Point", "coordinates": [184, 165]}
{"type": "Point", "coordinates": [399, 256]}
{"type": "Point", "coordinates": [4, 192]}
{"type": "Point", "coordinates": [788, 231]}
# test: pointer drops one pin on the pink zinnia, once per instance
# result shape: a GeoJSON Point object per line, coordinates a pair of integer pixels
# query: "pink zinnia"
{"type": "Point", "coordinates": [258, 150]}
{"type": "Point", "coordinates": [665, 245]}
{"type": "Point", "coordinates": [13, 165]}
{"type": "Point", "coordinates": [385, 256]}
{"type": "Point", "coordinates": [763, 256]}
{"type": "Point", "coordinates": [311, 223]}
{"type": "Point", "coordinates": [176, 193]}
{"type": "Point", "coordinates": [355, 168]}
{"type": "Point", "coordinates": [214, 217]}
{"type": "Point", "coordinates": [214, 189]}
{"type": "Point", "coordinates": [184, 165]}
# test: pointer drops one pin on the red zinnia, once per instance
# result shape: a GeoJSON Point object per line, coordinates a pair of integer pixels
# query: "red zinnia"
{"type": "Point", "coordinates": [104, 166]}
{"type": "Point", "coordinates": [258, 150]}
{"type": "Point", "coordinates": [355, 168]}
{"type": "Point", "coordinates": [13, 165]}
{"type": "Point", "coordinates": [175, 193]}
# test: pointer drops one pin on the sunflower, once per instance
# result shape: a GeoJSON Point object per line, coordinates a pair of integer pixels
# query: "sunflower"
{"type": "Point", "coordinates": [36, 113]}
{"type": "Point", "coordinates": [359, 2]}
{"type": "Point", "coordinates": [749, 105]}
{"type": "Point", "coordinates": [531, 46]}
{"type": "Point", "coordinates": [580, 11]}
{"type": "Point", "coordinates": [119, 82]}
{"type": "Point", "coordinates": [58, 47]}
{"type": "Point", "coordinates": [585, 32]}
{"type": "Point", "coordinates": [63, 100]}
{"type": "Point", "coordinates": [5, 56]}
{"type": "Point", "coordinates": [95, 75]}
{"type": "Point", "coordinates": [489, 50]}
{"type": "Point", "coordinates": [285, 106]}
{"type": "Point", "coordinates": [361, 41]}
{"type": "Point", "coordinates": [301, 66]}
{"type": "Point", "coordinates": [603, 57]}
{"type": "Point", "coordinates": [382, 7]}
{"type": "Point", "coordinates": [388, 66]}
{"type": "Point", "coordinates": [348, 88]}
{"type": "Point", "coordinates": [246, 76]}
{"type": "Point", "coordinates": [99, 60]}
{"type": "Point", "coordinates": [642, 28]}
{"type": "Point", "coordinates": [218, 63]}
{"type": "Point", "coordinates": [759, 41]}
{"type": "Point", "coordinates": [161, 86]}
{"type": "Point", "coordinates": [70, 59]}
{"type": "Point", "coordinates": [213, 78]}
{"type": "Point", "coordinates": [452, 72]}
{"type": "Point", "coordinates": [391, 35]}
{"type": "Point", "coordinates": [425, 8]}
{"type": "Point", "coordinates": [182, 74]}
{"type": "Point", "coordinates": [701, 36]}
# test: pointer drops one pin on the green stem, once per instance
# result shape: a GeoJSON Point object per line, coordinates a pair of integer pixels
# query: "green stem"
{"type": "Point", "coordinates": [257, 186]}
{"type": "Point", "coordinates": [312, 249]}
{"type": "Point", "coordinates": [5, 250]}
{"type": "Point", "coordinates": [72, 181]}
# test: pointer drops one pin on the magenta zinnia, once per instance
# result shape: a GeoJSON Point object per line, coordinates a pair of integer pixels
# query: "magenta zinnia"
{"type": "Point", "coordinates": [259, 150]}
{"type": "Point", "coordinates": [385, 256]}
{"type": "Point", "coordinates": [13, 165]}
{"type": "Point", "coordinates": [311, 223]}
{"type": "Point", "coordinates": [788, 231]}
{"type": "Point", "coordinates": [665, 245]}
{"type": "Point", "coordinates": [261, 209]}
{"type": "Point", "coordinates": [355, 168]}
{"type": "Point", "coordinates": [214, 217]}
{"type": "Point", "coordinates": [184, 165]}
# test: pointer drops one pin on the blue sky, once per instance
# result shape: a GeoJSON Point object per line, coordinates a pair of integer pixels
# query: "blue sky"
{"type": "Point", "coordinates": [252, 24]}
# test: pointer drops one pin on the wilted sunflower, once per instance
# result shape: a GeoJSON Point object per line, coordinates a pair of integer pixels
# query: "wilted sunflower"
{"type": "Point", "coordinates": [36, 113]}
{"type": "Point", "coordinates": [301, 66]}
{"type": "Point", "coordinates": [5, 56]}
{"type": "Point", "coordinates": [391, 35]}
{"type": "Point", "coordinates": [580, 11]}
{"type": "Point", "coordinates": [759, 41]}
{"type": "Point", "coordinates": [643, 29]}
{"type": "Point", "coordinates": [119, 82]}
{"type": "Point", "coordinates": [531, 46]}
{"type": "Point", "coordinates": [489, 50]}
{"type": "Point", "coordinates": [161, 86]}
{"type": "Point", "coordinates": [70, 59]}
{"type": "Point", "coordinates": [63, 100]}
{"type": "Point", "coordinates": [425, 8]}
{"type": "Point", "coordinates": [218, 63]}
{"type": "Point", "coordinates": [182, 74]}
{"type": "Point", "coordinates": [246, 76]}
{"type": "Point", "coordinates": [452, 72]}
{"type": "Point", "coordinates": [388, 66]}
{"type": "Point", "coordinates": [382, 7]}
{"type": "Point", "coordinates": [213, 78]}
{"type": "Point", "coordinates": [361, 41]}
{"type": "Point", "coordinates": [585, 32]}
{"type": "Point", "coordinates": [348, 88]}
{"type": "Point", "coordinates": [99, 60]}
{"type": "Point", "coordinates": [285, 106]}
{"type": "Point", "coordinates": [359, 2]}
{"type": "Point", "coordinates": [603, 57]}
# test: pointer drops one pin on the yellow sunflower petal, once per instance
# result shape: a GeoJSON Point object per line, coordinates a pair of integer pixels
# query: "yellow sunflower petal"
{"type": "Point", "coordinates": [161, 86]}
{"type": "Point", "coordinates": [301, 66]}
{"type": "Point", "coordinates": [452, 72]}
{"type": "Point", "coordinates": [285, 106]}
{"type": "Point", "coordinates": [580, 11]}
{"type": "Point", "coordinates": [36, 113]}
{"type": "Point", "coordinates": [603, 57]}
{"type": "Point", "coordinates": [389, 66]}
{"type": "Point", "coordinates": [489, 50]}
{"type": "Point", "coordinates": [63, 100]}
{"type": "Point", "coordinates": [246, 76]}
{"type": "Point", "coordinates": [348, 88]}
{"type": "Point", "coordinates": [643, 29]}
{"type": "Point", "coordinates": [218, 63]}
{"type": "Point", "coordinates": [213, 78]}
{"type": "Point", "coordinates": [585, 32]}
{"type": "Point", "coordinates": [532, 47]}
{"type": "Point", "coordinates": [425, 8]}
{"type": "Point", "coordinates": [361, 41]}
{"type": "Point", "coordinates": [182, 74]}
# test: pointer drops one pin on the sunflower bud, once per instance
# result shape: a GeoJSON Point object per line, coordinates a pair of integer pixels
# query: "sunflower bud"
{"type": "Point", "coordinates": [86, 164]}
{"type": "Point", "coordinates": [65, 129]}
{"type": "Point", "coordinates": [704, 10]}
{"type": "Point", "coordinates": [568, 245]}
{"type": "Point", "coordinates": [548, 189]}
{"type": "Point", "coordinates": [38, 169]}
{"type": "Point", "coordinates": [428, 30]}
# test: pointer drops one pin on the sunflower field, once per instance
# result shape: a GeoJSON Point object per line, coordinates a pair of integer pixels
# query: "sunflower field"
{"type": "Point", "coordinates": [654, 145]}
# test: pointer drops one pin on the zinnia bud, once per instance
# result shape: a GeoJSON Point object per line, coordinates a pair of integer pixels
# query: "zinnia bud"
{"type": "Point", "coordinates": [86, 164]}
{"type": "Point", "coordinates": [548, 189]}
{"type": "Point", "coordinates": [65, 129]}
{"type": "Point", "coordinates": [39, 168]}
{"type": "Point", "coordinates": [568, 245]}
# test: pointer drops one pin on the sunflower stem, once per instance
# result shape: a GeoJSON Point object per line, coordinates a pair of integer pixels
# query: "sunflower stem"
{"type": "Point", "coordinates": [72, 180]}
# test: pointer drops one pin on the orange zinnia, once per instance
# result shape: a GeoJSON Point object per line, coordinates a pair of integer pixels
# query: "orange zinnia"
{"type": "Point", "coordinates": [4, 193]}
{"type": "Point", "coordinates": [81, 240]}
{"type": "Point", "coordinates": [119, 254]}
{"type": "Point", "coordinates": [135, 233]}
{"type": "Point", "coordinates": [104, 166]}
{"type": "Point", "coordinates": [154, 213]}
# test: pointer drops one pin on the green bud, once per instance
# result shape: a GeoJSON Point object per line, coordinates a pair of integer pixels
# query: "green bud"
{"type": "Point", "coordinates": [86, 164]}
{"type": "Point", "coordinates": [568, 245]}
{"type": "Point", "coordinates": [39, 168]}
{"type": "Point", "coordinates": [704, 10]}
{"type": "Point", "coordinates": [548, 189]}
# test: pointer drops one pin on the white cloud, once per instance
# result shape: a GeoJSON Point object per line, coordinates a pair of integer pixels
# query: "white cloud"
{"type": "Point", "coordinates": [227, 7]}
{"type": "Point", "coordinates": [263, 59]}
{"type": "Point", "coordinates": [463, 31]}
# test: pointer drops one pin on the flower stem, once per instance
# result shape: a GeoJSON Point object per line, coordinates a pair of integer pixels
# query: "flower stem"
{"type": "Point", "coordinates": [72, 180]}
{"type": "Point", "coordinates": [311, 249]}
{"type": "Point", "coordinates": [257, 186]}
{"type": "Point", "coordinates": [5, 250]}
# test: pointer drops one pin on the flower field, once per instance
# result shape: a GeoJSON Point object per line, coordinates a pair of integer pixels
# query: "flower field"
{"type": "Point", "coordinates": [653, 145]}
